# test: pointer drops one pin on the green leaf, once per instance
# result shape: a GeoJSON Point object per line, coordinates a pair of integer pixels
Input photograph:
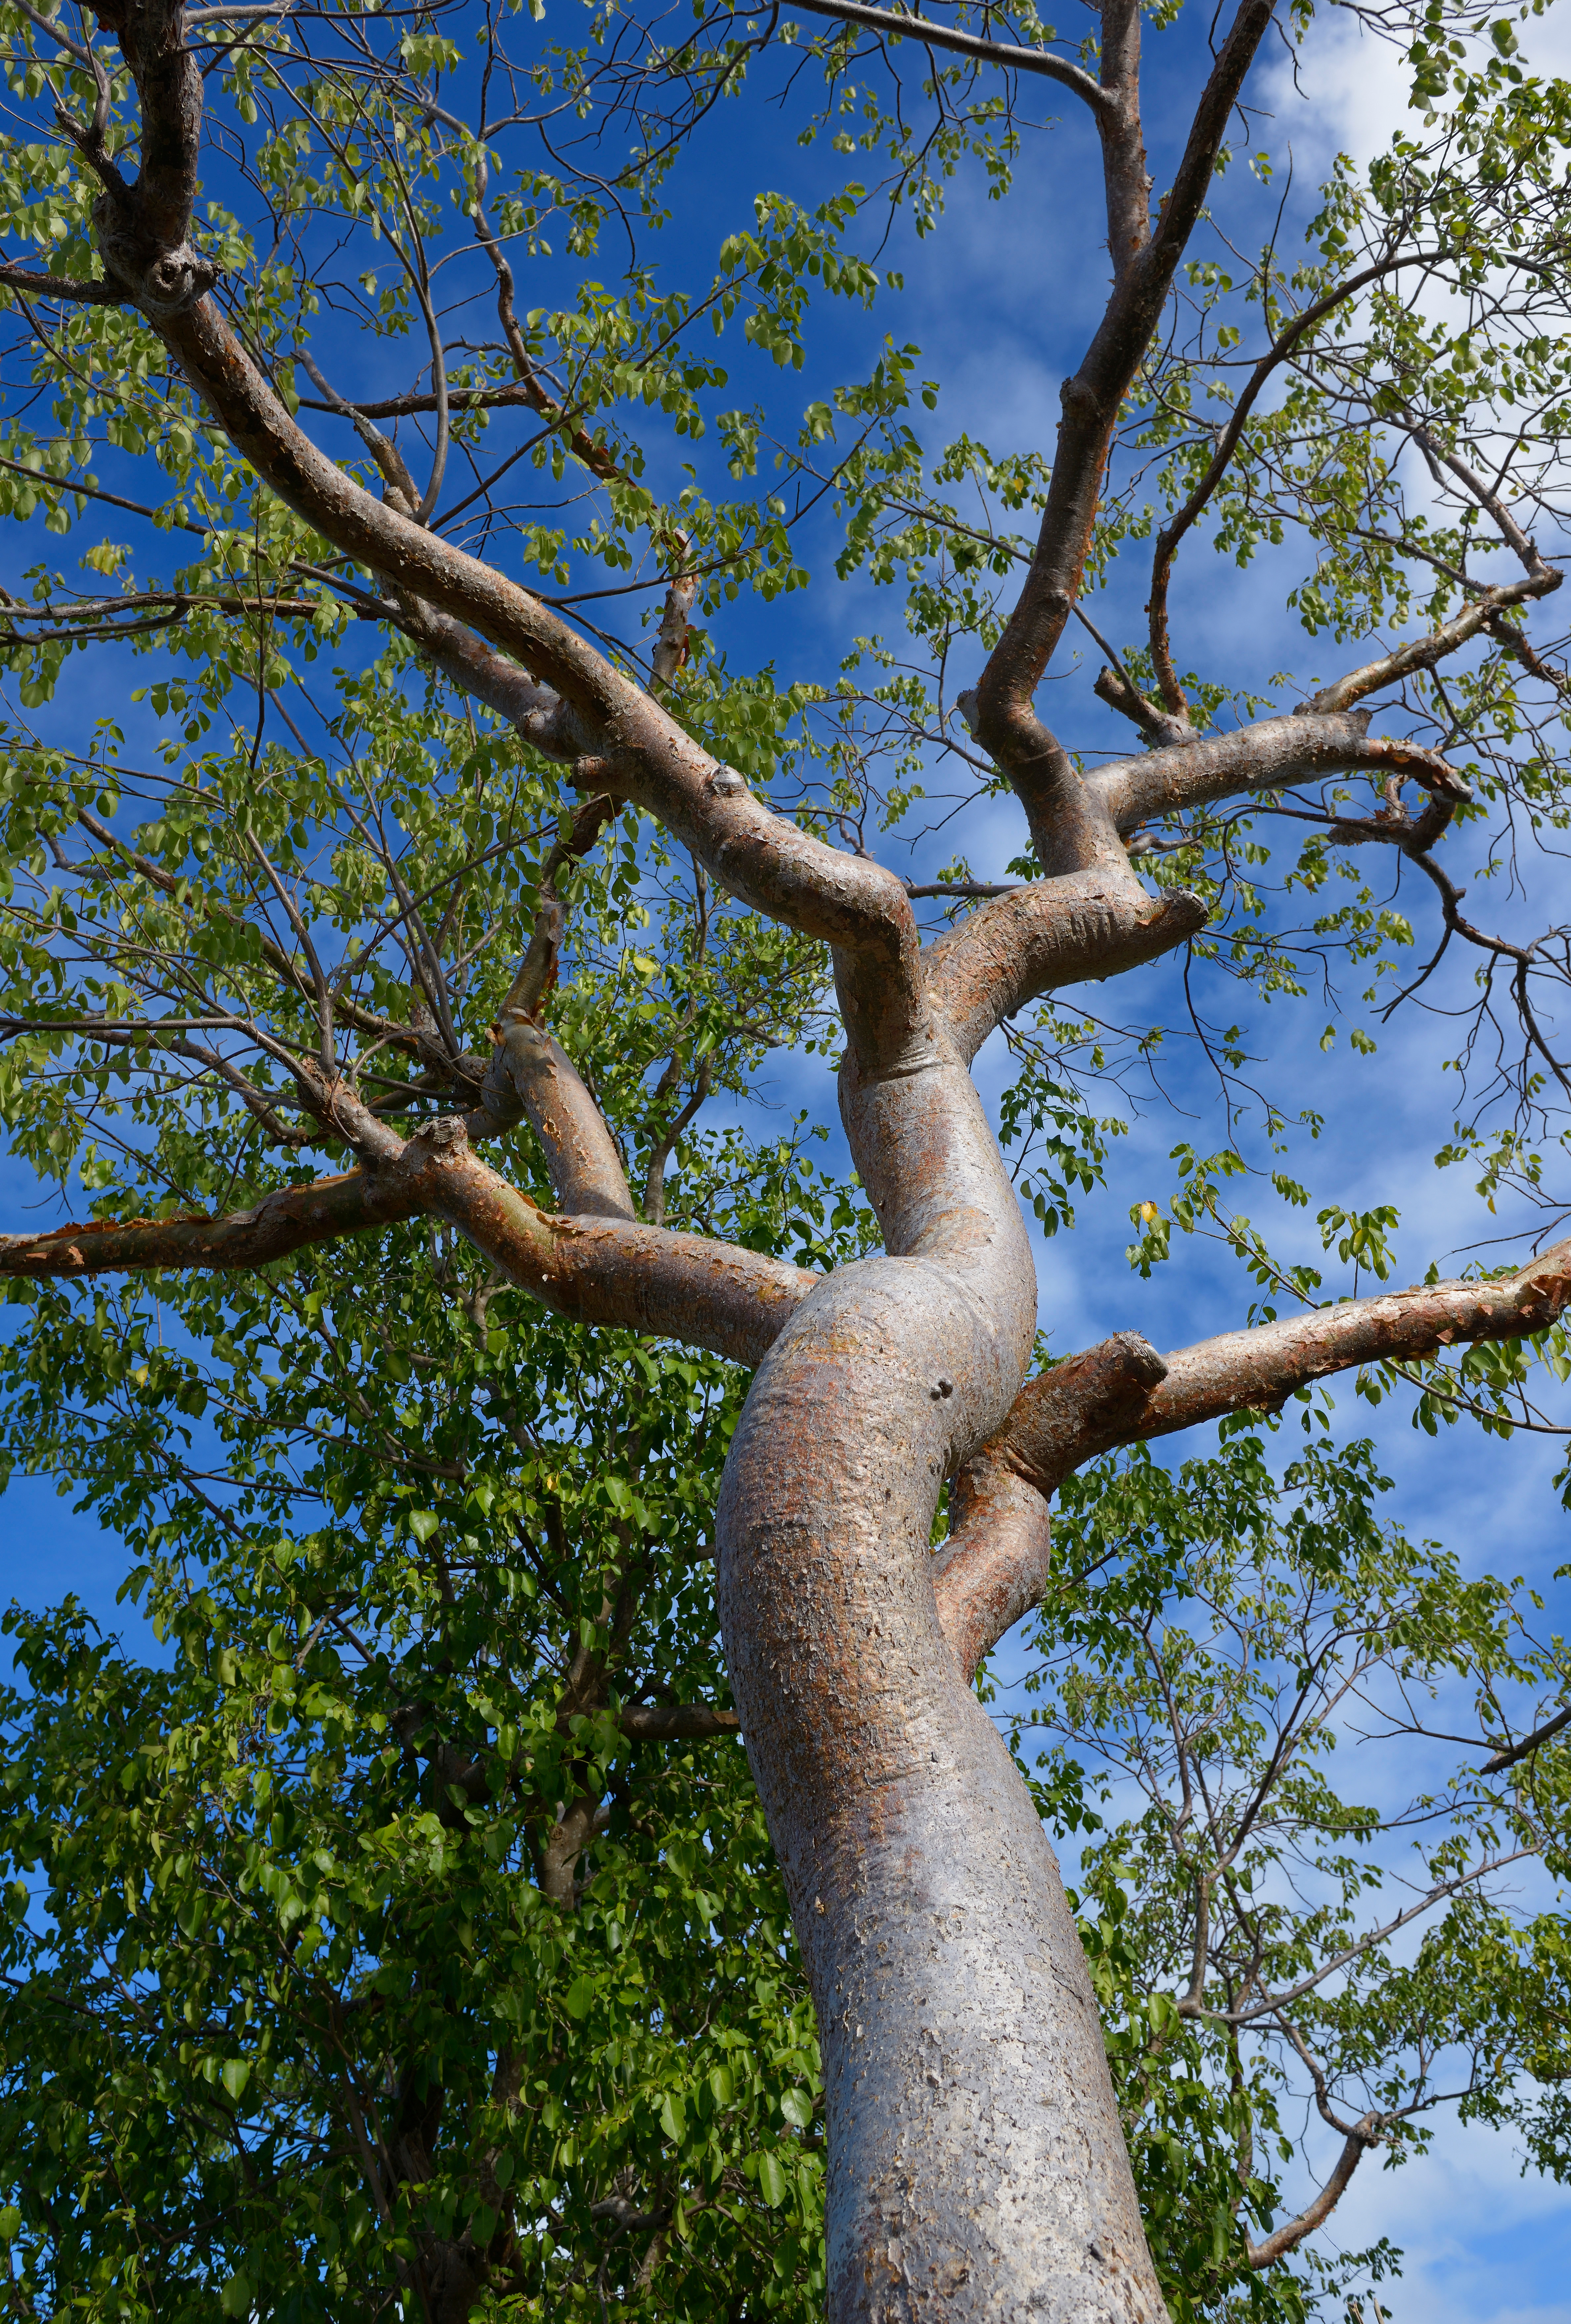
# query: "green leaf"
{"type": "Point", "coordinates": [773, 2184]}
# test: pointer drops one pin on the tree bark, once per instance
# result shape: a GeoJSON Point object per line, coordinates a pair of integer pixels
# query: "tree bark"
{"type": "Point", "coordinates": [977, 2165]}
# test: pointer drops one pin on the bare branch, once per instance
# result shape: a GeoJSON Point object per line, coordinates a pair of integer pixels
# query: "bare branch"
{"type": "Point", "coordinates": [1514, 1752]}
{"type": "Point", "coordinates": [1122, 1392]}
{"type": "Point", "coordinates": [1126, 185]}
{"type": "Point", "coordinates": [1259, 1370]}
{"type": "Point", "coordinates": [510, 395]}
{"type": "Point", "coordinates": [1007, 723]}
{"type": "Point", "coordinates": [1356, 2146]}
{"type": "Point", "coordinates": [888, 22]}
{"type": "Point", "coordinates": [1034, 940]}
{"type": "Point", "coordinates": [1270, 755]}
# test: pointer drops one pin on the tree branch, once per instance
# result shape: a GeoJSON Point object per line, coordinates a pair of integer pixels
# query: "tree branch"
{"type": "Point", "coordinates": [855, 906]}
{"type": "Point", "coordinates": [1356, 2146]}
{"type": "Point", "coordinates": [1259, 1370]}
{"type": "Point", "coordinates": [59, 286]}
{"type": "Point", "coordinates": [1006, 723]}
{"type": "Point", "coordinates": [511, 392]}
{"type": "Point", "coordinates": [1423, 653]}
{"type": "Point", "coordinates": [996, 1563]}
{"type": "Point", "coordinates": [1524, 550]}
{"type": "Point", "coordinates": [1267, 756]}
{"type": "Point", "coordinates": [676, 1722]}
{"type": "Point", "coordinates": [1034, 940]}
{"type": "Point", "coordinates": [1528, 1745]}
{"type": "Point", "coordinates": [961, 44]}
{"type": "Point", "coordinates": [593, 1270]}
{"type": "Point", "coordinates": [288, 1221]}
{"type": "Point", "coordinates": [611, 1270]}
{"type": "Point", "coordinates": [1126, 185]}
{"type": "Point", "coordinates": [532, 1076]}
{"type": "Point", "coordinates": [1173, 532]}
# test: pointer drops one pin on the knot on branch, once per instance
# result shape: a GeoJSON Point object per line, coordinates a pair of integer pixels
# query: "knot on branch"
{"type": "Point", "coordinates": [439, 1143]}
{"type": "Point", "coordinates": [164, 280]}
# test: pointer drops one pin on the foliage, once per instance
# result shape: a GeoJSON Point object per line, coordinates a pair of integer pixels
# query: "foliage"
{"type": "Point", "coordinates": [304, 2010]}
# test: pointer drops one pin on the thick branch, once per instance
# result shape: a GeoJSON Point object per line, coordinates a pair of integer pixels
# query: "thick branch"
{"type": "Point", "coordinates": [1007, 723]}
{"type": "Point", "coordinates": [141, 229]}
{"type": "Point", "coordinates": [594, 1270]}
{"type": "Point", "coordinates": [1259, 1370]}
{"type": "Point", "coordinates": [1273, 754]}
{"type": "Point", "coordinates": [540, 717]}
{"type": "Point", "coordinates": [612, 1270]}
{"type": "Point", "coordinates": [1126, 185]}
{"type": "Point", "coordinates": [995, 1565]}
{"type": "Point", "coordinates": [1034, 940]}
{"type": "Point", "coordinates": [531, 1076]}
{"type": "Point", "coordinates": [62, 287]}
{"type": "Point", "coordinates": [284, 1221]}
{"type": "Point", "coordinates": [676, 1722]}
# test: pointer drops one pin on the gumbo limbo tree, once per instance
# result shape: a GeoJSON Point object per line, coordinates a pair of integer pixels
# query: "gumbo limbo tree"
{"type": "Point", "coordinates": [379, 1013]}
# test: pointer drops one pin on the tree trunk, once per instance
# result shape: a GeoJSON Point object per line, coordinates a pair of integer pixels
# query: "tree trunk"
{"type": "Point", "coordinates": [977, 2165]}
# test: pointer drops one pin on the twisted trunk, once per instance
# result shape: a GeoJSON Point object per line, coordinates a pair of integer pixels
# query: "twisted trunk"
{"type": "Point", "coordinates": [976, 2162]}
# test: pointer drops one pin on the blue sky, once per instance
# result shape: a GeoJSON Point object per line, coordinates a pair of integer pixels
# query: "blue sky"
{"type": "Point", "coordinates": [999, 301]}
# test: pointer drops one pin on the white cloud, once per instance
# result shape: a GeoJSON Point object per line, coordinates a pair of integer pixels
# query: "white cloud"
{"type": "Point", "coordinates": [1482, 2244]}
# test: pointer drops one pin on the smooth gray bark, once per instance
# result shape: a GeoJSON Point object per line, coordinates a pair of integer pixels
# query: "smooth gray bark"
{"type": "Point", "coordinates": [976, 2162]}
